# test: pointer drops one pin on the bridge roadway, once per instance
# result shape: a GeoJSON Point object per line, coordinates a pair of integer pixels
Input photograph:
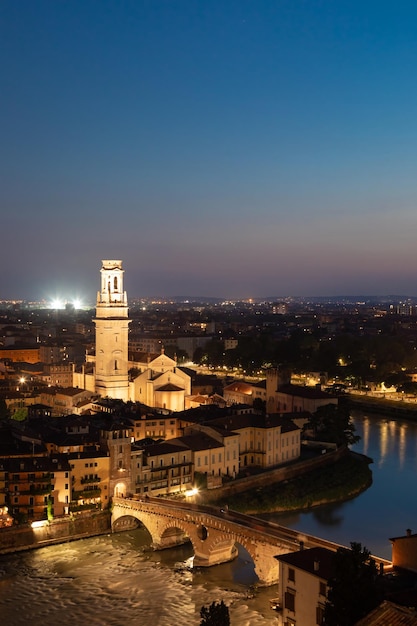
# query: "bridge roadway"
{"type": "Point", "coordinates": [214, 533]}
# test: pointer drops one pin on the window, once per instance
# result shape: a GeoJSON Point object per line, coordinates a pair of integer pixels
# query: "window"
{"type": "Point", "coordinates": [322, 590]}
{"type": "Point", "coordinates": [289, 600]}
{"type": "Point", "coordinates": [320, 615]}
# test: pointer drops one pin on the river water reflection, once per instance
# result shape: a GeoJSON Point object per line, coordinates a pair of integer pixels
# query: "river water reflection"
{"type": "Point", "coordinates": [384, 510]}
{"type": "Point", "coordinates": [113, 580]}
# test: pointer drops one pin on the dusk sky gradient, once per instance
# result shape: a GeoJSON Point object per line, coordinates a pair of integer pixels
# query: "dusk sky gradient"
{"type": "Point", "coordinates": [230, 148]}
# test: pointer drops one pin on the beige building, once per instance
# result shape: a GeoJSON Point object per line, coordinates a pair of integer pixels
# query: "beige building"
{"type": "Point", "coordinates": [90, 480]}
{"type": "Point", "coordinates": [215, 449]}
{"type": "Point", "coordinates": [283, 397]}
{"type": "Point", "coordinates": [116, 439]}
{"type": "Point", "coordinates": [155, 426]}
{"type": "Point", "coordinates": [160, 383]}
{"type": "Point", "coordinates": [265, 441]}
{"type": "Point", "coordinates": [302, 586]}
{"type": "Point", "coordinates": [404, 551]}
{"type": "Point", "coordinates": [241, 392]}
{"type": "Point", "coordinates": [162, 468]}
{"type": "Point", "coordinates": [64, 401]}
{"type": "Point", "coordinates": [59, 375]}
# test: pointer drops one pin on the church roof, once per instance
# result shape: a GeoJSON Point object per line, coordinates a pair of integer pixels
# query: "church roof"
{"type": "Point", "coordinates": [169, 387]}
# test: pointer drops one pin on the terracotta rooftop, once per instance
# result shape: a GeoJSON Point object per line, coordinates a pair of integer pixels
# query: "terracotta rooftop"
{"type": "Point", "coordinates": [389, 614]}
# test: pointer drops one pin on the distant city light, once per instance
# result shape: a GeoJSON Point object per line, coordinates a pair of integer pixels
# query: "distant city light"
{"type": "Point", "coordinates": [77, 303]}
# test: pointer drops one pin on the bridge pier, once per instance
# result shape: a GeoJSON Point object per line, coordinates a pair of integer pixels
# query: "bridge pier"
{"type": "Point", "coordinates": [219, 554]}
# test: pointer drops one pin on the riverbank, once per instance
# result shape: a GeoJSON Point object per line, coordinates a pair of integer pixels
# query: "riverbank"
{"type": "Point", "coordinates": [396, 409]}
{"type": "Point", "coordinates": [346, 479]}
{"type": "Point", "coordinates": [81, 526]}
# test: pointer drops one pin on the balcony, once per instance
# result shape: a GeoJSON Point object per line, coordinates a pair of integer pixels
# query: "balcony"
{"type": "Point", "coordinates": [89, 481]}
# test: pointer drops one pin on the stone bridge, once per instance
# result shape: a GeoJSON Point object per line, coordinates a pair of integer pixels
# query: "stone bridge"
{"type": "Point", "coordinates": [214, 533]}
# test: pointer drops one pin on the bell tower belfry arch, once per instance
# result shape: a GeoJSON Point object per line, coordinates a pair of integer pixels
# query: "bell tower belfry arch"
{"type": "Point", "coordinates": [112, 328]}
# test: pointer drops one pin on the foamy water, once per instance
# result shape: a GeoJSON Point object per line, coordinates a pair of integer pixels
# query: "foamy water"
{"type": "Point", "coordinates": [112, 580]}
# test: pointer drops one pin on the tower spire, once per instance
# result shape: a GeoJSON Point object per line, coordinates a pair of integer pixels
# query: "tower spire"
{"type": "Point", "coordinates": [112, 327]}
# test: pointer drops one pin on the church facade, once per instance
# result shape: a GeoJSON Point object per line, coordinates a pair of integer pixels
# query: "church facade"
{"type": "Point", "coordinates": [158, 381]}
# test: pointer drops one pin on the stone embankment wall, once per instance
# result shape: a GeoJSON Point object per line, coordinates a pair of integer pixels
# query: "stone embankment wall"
{"type": "Point", "coordinates": [274, 476]}
{"type": "Point", "coordinates": [79, 526]}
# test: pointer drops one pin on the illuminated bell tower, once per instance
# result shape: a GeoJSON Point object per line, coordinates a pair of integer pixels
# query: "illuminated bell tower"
{"type": "Point", "coordinates": [112, 327]}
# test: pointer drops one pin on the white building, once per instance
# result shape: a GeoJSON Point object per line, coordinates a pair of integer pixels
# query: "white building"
{"type": "Point", "coordinates": [302, 587]}
{"type": "Point", "coordinates": [161, 384]}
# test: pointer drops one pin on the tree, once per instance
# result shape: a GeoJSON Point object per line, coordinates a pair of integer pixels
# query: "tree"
{"type": "Point", "coordinates": [217, 614]}
{"type": "Point", "coordinates": [20, 415]}
{"type": "Point", "coordinates": [354, 589]}
{"type": "Point", "coordinates": [332, 423]}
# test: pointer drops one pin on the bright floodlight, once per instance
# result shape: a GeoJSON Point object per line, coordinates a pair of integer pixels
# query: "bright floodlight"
{"type": "Point", "coordinates": [39, 523]}
{"type": "Point", "coordinates": [57, 303]}
{"type": "Point", "coordinates": [77, 303]}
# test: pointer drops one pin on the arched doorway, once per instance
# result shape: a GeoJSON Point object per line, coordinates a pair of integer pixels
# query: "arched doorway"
{"type": "Point", "coordinates": [120, 490]}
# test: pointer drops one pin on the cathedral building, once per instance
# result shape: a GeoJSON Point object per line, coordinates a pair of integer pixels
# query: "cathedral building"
{"type": "Point", "coordinates": [159, 382]}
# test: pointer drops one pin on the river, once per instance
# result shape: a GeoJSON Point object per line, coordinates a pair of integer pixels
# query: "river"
{"type": "Point", "coordinates": [113, 579]}
{"type": "Point", "coordinates": [384, 510]}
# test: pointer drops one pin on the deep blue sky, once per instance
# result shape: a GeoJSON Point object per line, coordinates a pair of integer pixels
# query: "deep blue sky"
{"type": "Point", "coordinates": [232, 148]}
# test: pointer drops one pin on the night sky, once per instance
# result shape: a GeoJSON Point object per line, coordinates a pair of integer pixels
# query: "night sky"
{"type": "Point", "coordinates": [230, 148]}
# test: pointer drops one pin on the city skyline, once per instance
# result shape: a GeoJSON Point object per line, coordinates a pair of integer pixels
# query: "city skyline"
{"type": "Point", "coordinates": [229, 150]}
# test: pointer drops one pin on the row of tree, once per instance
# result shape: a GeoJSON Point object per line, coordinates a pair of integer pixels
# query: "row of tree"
{"type": "Point", "coordinates": [347, 356]}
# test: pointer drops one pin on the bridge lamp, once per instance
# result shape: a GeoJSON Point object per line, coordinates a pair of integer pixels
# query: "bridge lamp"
{"type": "Point", "coordinates": [191, 492]}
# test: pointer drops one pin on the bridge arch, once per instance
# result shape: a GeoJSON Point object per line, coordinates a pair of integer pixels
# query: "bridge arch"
{"type": "Point", "coordinates": [214, 536]}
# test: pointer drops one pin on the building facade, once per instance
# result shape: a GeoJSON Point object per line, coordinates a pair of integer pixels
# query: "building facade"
{"type": "Point", "coordinates": [112, 327]}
